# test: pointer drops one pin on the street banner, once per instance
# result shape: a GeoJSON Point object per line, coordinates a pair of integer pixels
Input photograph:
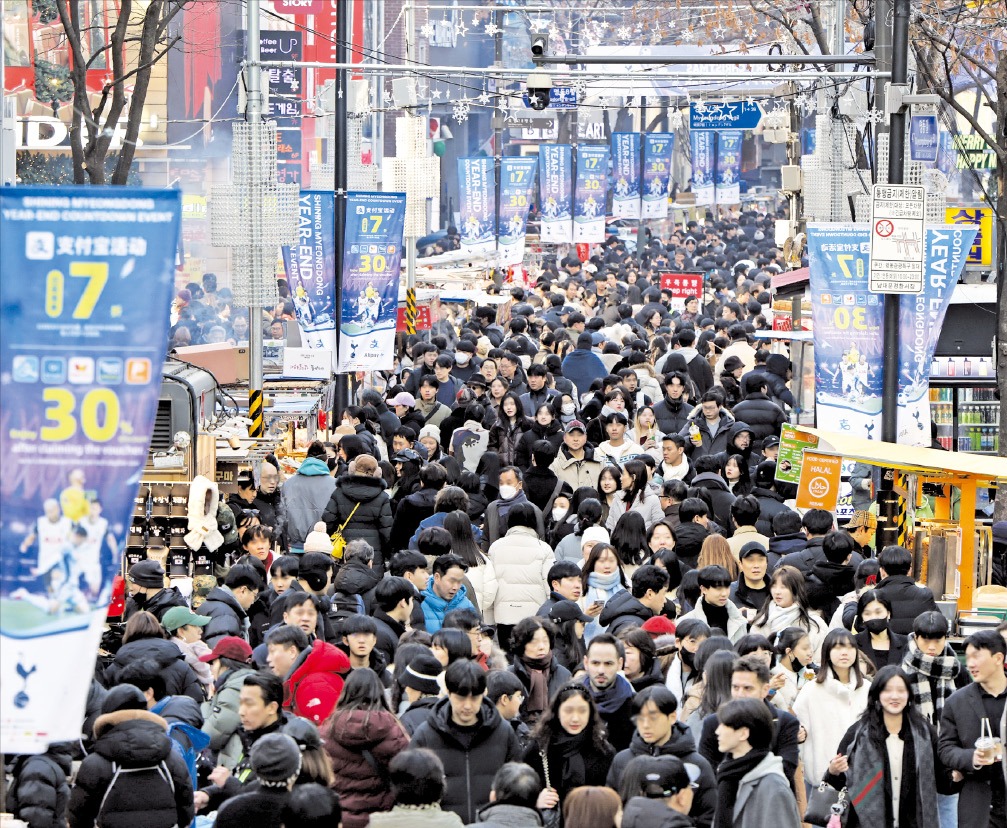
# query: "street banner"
{"type": "Point", "coordinates": [728, 166]}
{"type": "Point", "coordinates": [555, 194]}
{"type": "Point", "coordinates": [372, 255]}
{"type": "Point", "coordinates": [590, 194]}
{"type": "Point", "coordinates": [477, 205]}
{"type": "Point", "coordinates": [86, 290]}
{"type": "Point", "coordinates": [517, 180]}
{"type": "Point", "coordinates": [311, 270]}
{"type": "Point", "coordinates": [682, 286]}
{"type": "Point", "coordinates": [847, 320]}
{"type": "Point", "coordinates": [981, 218]}
{"type": "Point", "coordinates": [702, 166]}
{"type": "Point", "coordinates": [626, 175]}
{"type": "Point", "coordinates": [657, 152]}
{"type": "Point", "coordinates": [921, 318]}
{"type": "Point", "coordinates": [790, 457]}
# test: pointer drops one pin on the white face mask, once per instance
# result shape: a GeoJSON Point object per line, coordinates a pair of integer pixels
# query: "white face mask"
{"type": "Point", "coordinates": [557, 514]}
{"type": "Point", "coordinates": [508, 492]}
{"type": "Point", "coordinates": [569, 408]}
{"type": "Point", "coordinates": [462, 357]}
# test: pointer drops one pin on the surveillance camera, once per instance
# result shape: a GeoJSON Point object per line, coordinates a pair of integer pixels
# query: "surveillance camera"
{"type": "Point", "coordinates": [539, 45]}
{"type": "Point", "coordinates": [539, 87]}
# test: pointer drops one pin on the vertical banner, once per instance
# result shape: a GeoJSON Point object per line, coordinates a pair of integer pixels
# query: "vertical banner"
{"type": "Point", "coordinates": [702, 166]}
{"type": "Point", "coordinates": [517, 178]}
{"type": "Point", "coordinates": [728, 166]}
{"type": "Point", "coordinates": [311, 270]}
{"type": "Point", "coordinates": [848, 322]}
{"type": "Point", "coordinates": [88, 276]}
{"type": "Point", "coordinates": [372, 256]}
{"type": "Point", "coordinates": [657, 152]}
{"type": "Point", "coordinates": [555, 194]}
{"type": "Point", "coordinates": [921, 318]}
{"type": "Point", "coordinates": [590, 194]}
{"type": "Point", "coordinates": [626, 175]}
{"type": "Point", "coordinates": [477, 205]}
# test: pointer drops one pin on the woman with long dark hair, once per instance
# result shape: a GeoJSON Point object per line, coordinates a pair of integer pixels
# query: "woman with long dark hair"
{"type": "Point", "coordinates": [640, 666]}
{"type": "Point", "coordinates": [507, 430]}
{"type": "Point", "coordinates": [481, 573]}
{"type": "Point", "coordinates": [787, 606]}
{"type": "Point", "coordinates": [362, 737]}
{"type": "Point", "coordinates": [602, 577]}
{"type": "Point", "coordinates": [635, 495]}
{"type": "Point", "coordinates": [794, 664]}
{"type": "Point", "coordinates": [533, 645]}
{"type": "Point", "coordinates": [569, 748]}
{"type": "Point", "coordinates": [893, 737]}
{"type": "Point", "coordinates": [570, 621]}
{"type": "Point", "coordinates": [735, 471]}
{"type": "Point", "coordinates": [609, 483]}
{"type": "Point", "coordinates": [589, 513]}
{"type": "Point", "coordinates": [629, 537]}
{"type": "Point", "coordinates": [544, 426]}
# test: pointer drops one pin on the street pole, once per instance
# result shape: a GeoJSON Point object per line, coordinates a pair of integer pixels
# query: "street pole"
{"type": "Point", "coordinates": [411, 311]}
{"type": "Point", "coordinates": [497, 118]}
{"type": "Point", "coordinates": [896, 161]}
{"type": "Point", "coordinates": [253, 115]}
{"type": "Point", "coordinates": [342, 395]}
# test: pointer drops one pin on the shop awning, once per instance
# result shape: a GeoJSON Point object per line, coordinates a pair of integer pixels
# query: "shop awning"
{"type": "Point", "coordinates": [927, 461]}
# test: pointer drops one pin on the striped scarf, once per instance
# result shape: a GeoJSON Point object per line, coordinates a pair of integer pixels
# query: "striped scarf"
{"type": "Point", "coordinates": [921, 669]}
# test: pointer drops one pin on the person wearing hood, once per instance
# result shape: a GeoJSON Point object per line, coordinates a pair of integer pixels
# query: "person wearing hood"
{"type": "Point", "coordinates": [305, 495]}
{"type": "Point", "coordinates": [668, 793]}
{"type": "Point", "coordinates": [672, 413]}
{"type": "Point", "coordinates": [144, 639]}
{"type": "Point", "coordinates": [445, 591]}
{"type": "Point", "coordinates": [513, 800]}
{"type": "Point", "coordinates": [739, 441]}
{"type": "Point", "coordinates": [39, 792]}
{"type": "Point", "coordinates": [542, 486]}
{"type": "Point", "coordinates": [728, 379]}
{"type": "Point", "coordinates": [470, 738]}
{"type": "Point", "coordinates": [361, 509]}
{"type": "Point", "coordinates": [698, 367]}
{"type": "Point", "coordinates": [779, 370]}
{"type": "Point", "coordinates": [312, 672]}
{"type": "Point", "coordinates": [764, 417]}
{"type": "Point", "coordinates": [752, 789]}
{"type": "Point", "coordinates": [659, 734]}
{"type": "Point", "coordinates": [708, 429]}
{"type": "Point", "coordinates": [227, 606]}
{"type": "Point", "coordinates": [582, 366]}
{"type": "Point", "coordinates": [832, 577]}
{"type": "Point", "coordinates": [708, 477]}
{"type": "Point", "coordinates": [276, 761]}
{"type": "Point", "coordinates": [147, 593]}
{"type": "Point", "coordinates": [645, 599]}
{"type": "Point", "coordinates": [156, 792]}
{"type": "Point", "coordinates": [771, 503]}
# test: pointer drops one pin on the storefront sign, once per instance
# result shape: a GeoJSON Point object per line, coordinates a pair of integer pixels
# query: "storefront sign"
{"type": "Point", "coordinates": [81, 349]}
{"type": "Point", "coordinates": [793, 442]}
{"type": "Point", "coordinates": [981, 252]}
{"type": "Point", "coordinates": [821, 478]}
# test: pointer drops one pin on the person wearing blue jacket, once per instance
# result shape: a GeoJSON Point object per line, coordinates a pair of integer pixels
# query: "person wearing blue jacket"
{"type": "Point", "coordinates": [445, 592]}
{"type": "Point", "coordinates": [582, 366]}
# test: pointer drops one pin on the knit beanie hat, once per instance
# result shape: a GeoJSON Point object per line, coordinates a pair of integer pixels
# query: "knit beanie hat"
{"type": "Point", "coordinates": [431, 431]}
{"type": "Point", "coordinates": [318, 539]}
{"type": "Point", "coordinates": [597, 534]}
{"type": "Point", "coordinates": [148, 574]}
{"type": "Point", "coordinates": [276, 760]}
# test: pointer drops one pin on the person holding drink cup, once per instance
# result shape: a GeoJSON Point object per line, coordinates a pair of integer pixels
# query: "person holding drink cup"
{"type": "Point", "coordinates": [969, 726]}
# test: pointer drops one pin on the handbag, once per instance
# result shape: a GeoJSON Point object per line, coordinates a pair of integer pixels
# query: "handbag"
{"type": "Point", "coordinates": [551, 817]}
{"type": "Point", "coordinates": [826, 806]}
{"type": "Point", "coordinates": [338, 541]}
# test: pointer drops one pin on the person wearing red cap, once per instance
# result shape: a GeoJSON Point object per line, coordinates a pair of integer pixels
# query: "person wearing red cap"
{"type": "Point", "coordinates": [229, 666]}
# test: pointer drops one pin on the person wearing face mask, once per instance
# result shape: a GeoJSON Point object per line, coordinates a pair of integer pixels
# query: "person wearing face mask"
{"type": "Point", "coordinates": [875, 639]}
{"type": "Point", "coordinates": [466, 362]}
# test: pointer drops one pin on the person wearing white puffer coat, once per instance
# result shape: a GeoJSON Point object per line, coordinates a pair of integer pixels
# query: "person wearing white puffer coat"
{"type": "Point", "coordinates": [522, 562]}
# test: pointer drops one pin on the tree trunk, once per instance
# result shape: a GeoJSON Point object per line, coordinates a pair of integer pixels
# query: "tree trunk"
{"type": "Point", "coordinates": [1000, 254]}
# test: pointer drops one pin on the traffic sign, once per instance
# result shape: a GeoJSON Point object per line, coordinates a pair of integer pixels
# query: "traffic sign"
{"type": "Point", "coordinates": [541, 119]}
{"type": "Point", "coordinates": [924, 138]}
{"type": "Point", "coordinates": [725, 115]}
{"type": "Point", "coordinates": [897, 231]}
{"type": "Point", "coordinates": [560, 97]}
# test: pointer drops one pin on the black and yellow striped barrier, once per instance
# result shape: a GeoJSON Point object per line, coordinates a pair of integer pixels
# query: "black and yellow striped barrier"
{"type": "Point", "coordinates": [255, 412]}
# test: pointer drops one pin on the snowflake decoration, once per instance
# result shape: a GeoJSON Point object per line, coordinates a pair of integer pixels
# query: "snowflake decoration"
{"type": "Point", "coordinates": [539, 25]}
{"type": "Point", "coordinates": [492, 29]}
{"type": "Point", "coordinates": [675, 119]}
{"type": "Point", "coordinates": [875, 116]}
{"type": "Point", "coordinates": [427, 30]}
{"type": "Point", "coordinates": [623, 33]}
{"type": "Point", "coordinates": [460, 28]}
{"type": "Point", "coordinates": [484, 98]}
{"type": "Point", "coordinates": [460, 111]}
{"type": "Point", "coordinates": [580, 87]}
{"type": "Point", "coordinates": [688, 36]}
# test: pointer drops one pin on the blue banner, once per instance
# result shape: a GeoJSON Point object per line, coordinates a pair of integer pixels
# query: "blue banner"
{"type": "Point", "coordinates": [848, 322]}
{"type": "Point", "coordinates": [517, 179]}
{"type": "Point", "coordinates": [372, 255]}
{"type": "Point", "coordinates": [626, 175]}
{"type": "Point", "coordinates": [921, 318]}
{"type": "Point", "coordinates": [702, 166]}
{"type": "Point", "coordinates": [924, 138]}
{"type": "Point", "coordinates": [657, 152]}
{"type": "Point", "coordinates": [555, 193]}
{"type": "Point", "coordinates": [477, 205]}
{"type": "Point", "coordinates": [86, 290]}
{"type": "Point", "coordinates": [590, 194]}
{"type": "Point", "coordinates": [729, 166]}
{"type": "Point", "coordinates": [311, 270]}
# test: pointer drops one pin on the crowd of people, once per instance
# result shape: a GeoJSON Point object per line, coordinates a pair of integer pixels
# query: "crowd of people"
{"type": "Point", "coordinates": [543, 574]}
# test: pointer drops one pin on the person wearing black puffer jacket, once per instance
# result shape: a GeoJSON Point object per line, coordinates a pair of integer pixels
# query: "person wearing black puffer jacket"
{"type": "Point", "coordinates": [40, 793]}
{"type": "Point", "coordinates": [672, 412]}
{"type": "Point", "coordinates": [360, 501]}
{"type": "Point", "coordinates": [771, 503]}
{"type": "Point", "coordinates": [908, 599]}
{"type": "Point", "coordinates": [227, 606]}
{"type": "Point", "coordinates": [130, 738]}
{"type": "Point", "coordinates": [763, 416]}
{"type": "Point", "coordinates": [144, 639]}
{"type": "Point", "coordinates": [778, 372]}
{"type": "Point", "coordinates": [637, 605]}
{"type": "Point", "coordinates": [544, 427]}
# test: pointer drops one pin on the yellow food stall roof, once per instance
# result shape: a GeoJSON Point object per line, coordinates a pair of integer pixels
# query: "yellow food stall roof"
{"type": "Point", "coordinates": [930, 462]}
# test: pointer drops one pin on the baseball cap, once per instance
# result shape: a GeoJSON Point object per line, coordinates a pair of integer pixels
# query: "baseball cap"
{"type": "Point", "coordinates": [674, 776]}
{"type": "Point", "coordinates": [230, 646]}
{"type": "Point", "coordinates": [181, 617]}
{"type": "Point", "coordinates": [752, 548]}
{"type": "Point", "coordinates": [568, 611]}
{"type": "Point", "coordinates": [406, 456]}
{"type": "Point", "coordinates": [575, 425]}
{"type": "Point", "coordinates": [770, 441]}
{"type": "Point", "coordinates": [403, 398]}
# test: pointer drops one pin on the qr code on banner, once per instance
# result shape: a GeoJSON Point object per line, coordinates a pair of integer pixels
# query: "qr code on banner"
{"type": "Point", "coordinates": [39, 245]}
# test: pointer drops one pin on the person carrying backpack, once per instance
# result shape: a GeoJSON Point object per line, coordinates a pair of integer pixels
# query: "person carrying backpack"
{"type": "Point", "coordinates": [133, 776]}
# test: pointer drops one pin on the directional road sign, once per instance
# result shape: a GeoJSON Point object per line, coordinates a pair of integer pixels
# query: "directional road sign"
{"type": "Point", "coordinates": [924, 138]}
{"type": "Point", "coordinates": [897, 232]}
{"type": "Point", "coordinates": [560, 97]}
{"type": "Point", "coordinates": [725, 115]}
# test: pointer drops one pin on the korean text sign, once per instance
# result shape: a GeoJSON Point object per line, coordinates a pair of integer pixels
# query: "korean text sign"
{"type": "Point", "coordinates": [88, 276]}
{"type": "Point", "coordinates": [311, 269]}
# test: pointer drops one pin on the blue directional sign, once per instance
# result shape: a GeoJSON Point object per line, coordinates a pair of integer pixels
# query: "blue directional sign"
{"type": "Point", "coordinates": [724, 115]}
{"type": "Point", "coordinates": [560, 97]}
{"type": "Point", "coordinates": [923, 138]}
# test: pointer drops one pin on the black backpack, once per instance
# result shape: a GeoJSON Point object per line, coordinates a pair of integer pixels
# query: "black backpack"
{"type": "Point", "coordinates": [344, 604]}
